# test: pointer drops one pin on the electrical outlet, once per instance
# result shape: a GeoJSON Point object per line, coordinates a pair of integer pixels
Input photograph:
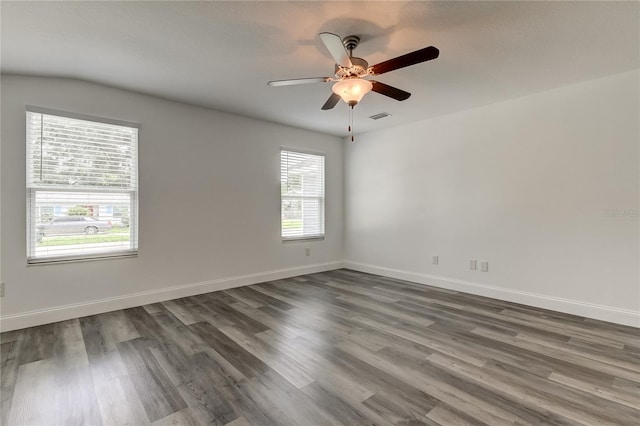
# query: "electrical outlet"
{"type": "Point", "coordinates": [1, 289]}
{"type": "Point", "coordinates": [434, 260]}
{"type": "Point", "coordinates": [307, 252]}
{"type": "Point", "coordinates": [484, 266]}
{"type": "Point", "coordinates": [473, 265]}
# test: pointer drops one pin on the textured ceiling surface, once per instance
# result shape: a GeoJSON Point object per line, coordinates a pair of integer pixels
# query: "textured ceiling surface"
{"type": "Point", "coordinates": [221, 54]}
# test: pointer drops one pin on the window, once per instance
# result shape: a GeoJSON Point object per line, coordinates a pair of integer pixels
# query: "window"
{"type": "Point", "coordinates": [82, 187]}
{"type": "Point", "coordinates": [302, 189]}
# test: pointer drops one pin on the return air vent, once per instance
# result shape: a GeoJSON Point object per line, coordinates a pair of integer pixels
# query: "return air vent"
{"type": "Point", "coordinates": [379, 116]}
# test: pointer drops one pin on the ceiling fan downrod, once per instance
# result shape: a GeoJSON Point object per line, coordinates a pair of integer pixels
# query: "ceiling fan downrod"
{"type": "Point", "coordinates": [350, 43]}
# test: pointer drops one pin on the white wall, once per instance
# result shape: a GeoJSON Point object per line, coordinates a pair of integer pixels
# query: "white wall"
{"type": "Point", "coordinates": [209, 205]}
{"type": "Point", "coordinates": [523, 184]}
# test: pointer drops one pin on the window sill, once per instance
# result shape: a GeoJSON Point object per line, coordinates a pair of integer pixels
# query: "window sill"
{"type": "Point", "coordinates": [301, 239]}
{"type": "Point", "coordinates": [73, 259]}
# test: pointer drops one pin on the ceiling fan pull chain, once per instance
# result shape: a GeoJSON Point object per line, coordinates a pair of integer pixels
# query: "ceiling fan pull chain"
{"type": "Point", "coordinates": [351, 122]}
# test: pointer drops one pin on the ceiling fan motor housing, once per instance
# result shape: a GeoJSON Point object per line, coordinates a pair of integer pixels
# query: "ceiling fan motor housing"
{"type": "Point", "coordinates": [359, 68]}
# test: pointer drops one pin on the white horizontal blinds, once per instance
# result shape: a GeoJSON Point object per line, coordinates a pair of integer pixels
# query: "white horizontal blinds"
{"type": "Point", "coordinates": [67, 152]}
{"type": "Point", "coordinates": [302, 188]}
{"type": "Point", "coordinates": [86, 169]}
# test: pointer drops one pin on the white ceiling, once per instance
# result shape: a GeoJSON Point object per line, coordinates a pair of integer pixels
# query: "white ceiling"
{"type": "Point", "coordinates": [221, 54]}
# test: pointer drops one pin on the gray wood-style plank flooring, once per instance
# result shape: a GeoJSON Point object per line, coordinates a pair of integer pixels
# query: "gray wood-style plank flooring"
{"type": "Point", "coordinates": [339, 347]}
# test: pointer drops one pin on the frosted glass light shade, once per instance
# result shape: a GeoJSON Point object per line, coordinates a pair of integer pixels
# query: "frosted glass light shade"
{"type": "Point", "coordinates": [352, 90]}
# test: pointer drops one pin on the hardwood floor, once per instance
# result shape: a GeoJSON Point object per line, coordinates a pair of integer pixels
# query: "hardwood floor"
{"type": "Point", "coordinates": [339, 347]}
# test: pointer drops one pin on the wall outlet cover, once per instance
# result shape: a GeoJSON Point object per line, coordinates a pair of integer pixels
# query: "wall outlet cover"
{"type": "Point", "coordinates": [473, 265]}
{"type": "Point", "coordinates": [484, 266]}
{"type": "Point", "coordinates": [434, 260]}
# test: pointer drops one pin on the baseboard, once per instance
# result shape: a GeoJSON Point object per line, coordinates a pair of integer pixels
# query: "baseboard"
{"type": "Point", "coordinates": [92, 307]}
{"type": "Point", "coordinates": [575, 307]}
{"type": "Point", "coordinates": [61, 313]}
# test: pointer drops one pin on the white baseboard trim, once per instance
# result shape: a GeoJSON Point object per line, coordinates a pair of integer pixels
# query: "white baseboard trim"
{"type": "Point", "coordinates": [92, 307]}
{"type": "Point", "coordinates": [575, 307]}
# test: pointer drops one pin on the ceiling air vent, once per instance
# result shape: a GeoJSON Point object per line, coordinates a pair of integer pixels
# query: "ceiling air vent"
{"type": "Point", "coordinates": [379, 116]}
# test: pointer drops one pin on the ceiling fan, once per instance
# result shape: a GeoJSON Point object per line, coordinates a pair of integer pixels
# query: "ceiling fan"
{"type": "Point", "coordinates": [350, 71]}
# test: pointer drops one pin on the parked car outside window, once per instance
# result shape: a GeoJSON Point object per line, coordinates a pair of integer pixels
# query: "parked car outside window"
{"type": "Point", "coordinates": [70, 225]}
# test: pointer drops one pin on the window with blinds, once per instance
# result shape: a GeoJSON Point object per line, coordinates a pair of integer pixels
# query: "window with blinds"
{"type": "Point", "coordinates": [82, 187]}
{"type": "Point", "coordinates": [302, 195]}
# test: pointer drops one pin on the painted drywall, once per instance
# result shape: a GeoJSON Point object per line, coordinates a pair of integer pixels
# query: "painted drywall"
{"type": "Point", "coordinates": [545, 188]}
{"type": "Point", "coordinates": [209, 204]}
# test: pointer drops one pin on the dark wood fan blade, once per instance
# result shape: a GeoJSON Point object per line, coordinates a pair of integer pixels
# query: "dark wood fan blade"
{"type": "Point", "coordinates": [331, 102]}
{"type": "Point", "coordinates": [299, 81]}
{"type": "Point", "coordinates": [334, 45]}
{"type": "Point", "coordinates": [390, 91]}
{"type": "Point", "coordinates": [422, 55]}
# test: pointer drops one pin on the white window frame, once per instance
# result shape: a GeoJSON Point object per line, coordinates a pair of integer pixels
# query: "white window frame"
{"type": "Point", "coordinates": [33, 189]}
{"type": "Point", "coordinates": [321, 199]}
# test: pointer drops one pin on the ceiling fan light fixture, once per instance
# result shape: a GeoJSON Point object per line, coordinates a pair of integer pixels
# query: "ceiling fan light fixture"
{"type": "Point", "coordinates": [352, 90]}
